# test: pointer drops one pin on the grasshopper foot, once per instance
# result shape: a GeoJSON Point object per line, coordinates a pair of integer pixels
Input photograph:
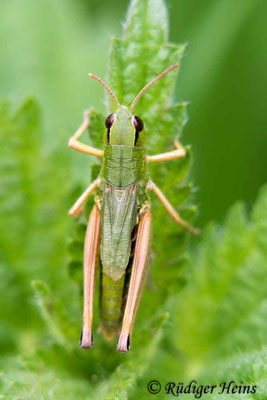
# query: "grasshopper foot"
{"type": "Point", "coordinates": [86, 340]}
{"type": "Point", "coordinates": [124, 343]}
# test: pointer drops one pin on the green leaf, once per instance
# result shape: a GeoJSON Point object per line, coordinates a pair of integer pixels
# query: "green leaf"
{"type": "Point", "coordinates": [96, 128]}
{"type": "Point", "coordinates": [142, 55]}
{"type": "Point", "coordinates": [46, 306]}
{"type": "Point", "coordinates": [32, 220]}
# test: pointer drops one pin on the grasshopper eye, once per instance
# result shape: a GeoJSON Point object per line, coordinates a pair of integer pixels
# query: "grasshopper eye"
{"type": "Point", "coordinates": [110, 120]}
{"type": "Point", "coordinates": [137, 123]}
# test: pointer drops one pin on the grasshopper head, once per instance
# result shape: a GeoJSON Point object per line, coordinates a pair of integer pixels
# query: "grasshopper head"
{"type": "Point", "coordinates": [124, 128]}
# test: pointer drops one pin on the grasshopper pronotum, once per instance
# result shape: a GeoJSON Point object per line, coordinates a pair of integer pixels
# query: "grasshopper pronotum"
{"type": "Point", "coordinates": [119, 227]}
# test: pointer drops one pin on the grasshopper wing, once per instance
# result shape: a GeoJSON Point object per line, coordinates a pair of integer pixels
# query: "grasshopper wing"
{"type": "Point", "coordinates": [118, 218]}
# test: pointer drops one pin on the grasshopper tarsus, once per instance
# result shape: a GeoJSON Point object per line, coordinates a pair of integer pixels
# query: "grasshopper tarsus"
{"type": "Point", "coordinates": [86, 341]}
{"type": "Point", "coordinates": [124, 343]}
{"type": "Point", "coordinates": [195, 231]}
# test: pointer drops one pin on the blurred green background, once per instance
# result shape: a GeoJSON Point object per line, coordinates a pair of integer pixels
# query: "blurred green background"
{"type": "Point", "coordinates": [49, 46]}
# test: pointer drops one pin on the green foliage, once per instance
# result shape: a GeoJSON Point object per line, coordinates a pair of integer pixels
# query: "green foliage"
{"type": "Point", "coordinates": [32, 219]}
{"type": "Point", "coordinates": [227, 324]}
{"type": "Point", "coordinates": [216, 330]}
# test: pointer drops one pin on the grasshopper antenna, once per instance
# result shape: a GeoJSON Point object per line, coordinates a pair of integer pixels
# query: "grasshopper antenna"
{"type": "Point", "coordinates": [106, 87]}
{"type": "Point", "coordinates": [150, 84]}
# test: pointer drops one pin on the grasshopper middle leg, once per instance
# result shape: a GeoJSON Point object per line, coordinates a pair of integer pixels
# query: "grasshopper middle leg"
{"type": "Point", "coordinates": [76, 208]}
{"type": "Point", "coordinates": [169, 208]}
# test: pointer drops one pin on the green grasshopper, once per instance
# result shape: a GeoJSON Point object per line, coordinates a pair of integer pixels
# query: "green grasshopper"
{"type": "Point", "coordinates": [119, 226]}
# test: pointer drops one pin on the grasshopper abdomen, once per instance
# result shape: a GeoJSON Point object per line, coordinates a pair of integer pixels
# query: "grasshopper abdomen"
{"type": "Point", "coordinates": [111, 299]}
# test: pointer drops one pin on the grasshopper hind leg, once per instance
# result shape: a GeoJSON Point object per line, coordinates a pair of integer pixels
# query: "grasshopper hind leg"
{"type": "Point", "coordinates": [138, 275]}
{"type": "Point", "coordinates": [91, 255]}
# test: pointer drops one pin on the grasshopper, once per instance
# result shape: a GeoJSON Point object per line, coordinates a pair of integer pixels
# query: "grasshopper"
{"type": "Point", "coordinates": [119, 227]}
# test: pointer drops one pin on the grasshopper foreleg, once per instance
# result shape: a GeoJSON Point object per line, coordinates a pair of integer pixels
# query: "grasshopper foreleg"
{"type": "Point", "coordinates": [84, 148]}
{"type": "Point", "coordinates": [169, 208]}
{"type": "Point", "coordinates": [179, 152]}
{"type": "Point", "coordinates": [138, 275]}
{"type": "Point", "coordinates": [91, 255]}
